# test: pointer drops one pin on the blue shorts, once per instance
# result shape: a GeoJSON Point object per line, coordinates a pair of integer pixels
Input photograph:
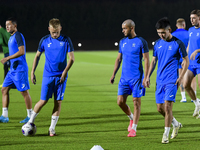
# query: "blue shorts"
{"type": "Point", "coordinates": [17, 80]}
{"type": "Point", "coordinates": [195, 70]}
{"type": "Point", "coordinates": [165, 92]}
{"type": "Point", "coordinates": [52, 85]}
{"type": "Point", "coordinates": [133, 86]}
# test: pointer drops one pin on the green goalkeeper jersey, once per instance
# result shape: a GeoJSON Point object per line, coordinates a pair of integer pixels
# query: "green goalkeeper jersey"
{"type": "Point", "coordinates": [4, 37]}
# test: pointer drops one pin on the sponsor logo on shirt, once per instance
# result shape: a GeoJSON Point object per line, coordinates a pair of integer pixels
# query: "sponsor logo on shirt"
{"type": "Point", "coordinates": [170, 47]}
{"type": "Point", "coordinates": [198, 34]}
{"type": "Point", "coordinates": [49, 44]}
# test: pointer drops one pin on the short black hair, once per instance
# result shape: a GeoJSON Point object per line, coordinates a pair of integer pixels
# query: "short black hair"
{"type": "Point", "coordinates": [163, 23]}
{"type": "Point", "coordinates": [12, 19]}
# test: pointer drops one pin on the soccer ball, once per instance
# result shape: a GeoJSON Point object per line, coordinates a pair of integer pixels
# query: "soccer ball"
{"type": "Point", "coordinates": [29, 129]}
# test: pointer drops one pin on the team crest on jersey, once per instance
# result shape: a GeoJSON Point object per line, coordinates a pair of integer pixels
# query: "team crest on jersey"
{"type": "Point", "coordinates": [198, 34]}
{"type": "Point", "coordinates": [170, 47]}
{"type": "Point", "coordinates": [61, 43]}
{"type": "Point", "coordinates": [49, 44]}
{"type": "Point", "coordinates": [133, 45]}
{"type": "Point", "coordinates": [191, 33]}
{"type": "Point", "coordinates": [124, 44]}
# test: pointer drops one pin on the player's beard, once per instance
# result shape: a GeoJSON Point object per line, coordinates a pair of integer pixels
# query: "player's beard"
{"type": "Point", "coordinates": [128, 35]}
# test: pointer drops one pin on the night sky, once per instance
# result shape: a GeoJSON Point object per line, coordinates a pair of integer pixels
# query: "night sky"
{"type": "Point", "coordinates": [97, 24]}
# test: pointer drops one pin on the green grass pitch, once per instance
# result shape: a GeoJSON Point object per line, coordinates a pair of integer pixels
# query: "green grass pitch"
{"type": "Point", "coordinates": [90, 114]}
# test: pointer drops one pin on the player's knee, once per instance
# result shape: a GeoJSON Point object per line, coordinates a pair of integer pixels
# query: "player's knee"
{"type": "Point", "coordinates": [136, 102]}
{"type": "Point", "coordinates": [4, 91]}
{"type": "Point", "coordinates": [25, 93]}
{"type": "Point", "coordinates": [186, 86]}
{"type": "Point", "coordinates": [159, 109]}
{"type": "Point", "coordinates": [120, 101]}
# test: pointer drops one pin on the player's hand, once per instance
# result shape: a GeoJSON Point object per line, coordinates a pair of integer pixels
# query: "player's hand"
{"type": "Point", "coordinates": [4, 60]}
{"type": "Point", "coordinates": [33, 78]}
{"type": "Point", "coordinates": [178, 82]}
{"type": "Point", "coordinates": [63, 77]}
{"type": "Point", "coordinates": [146, 83]}
{"type": "Point", "coordinates": [112, 79]}
{"type": "Point", "coordinates": [193, 55]}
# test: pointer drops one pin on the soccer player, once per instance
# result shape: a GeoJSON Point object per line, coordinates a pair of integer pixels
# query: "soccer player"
{"type": "Point", "coordinates": [4, 37]}
{"type": "Point", "coordinates": [56, 46]}
{"type": "Point", "coordinates": [167, 50]}
{"type": "Point", "coordinates": [132, 49]}
{"type": "Point", "coordinates": [183, 35]}
{"type": "Point", "coordinates": [193, 50]}
{"type": "Point", "coordinates": [17, 77]}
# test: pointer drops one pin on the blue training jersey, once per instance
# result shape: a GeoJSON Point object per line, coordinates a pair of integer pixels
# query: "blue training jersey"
{"type": "Point", "coordinates": [182, 35]}
{"type": "Point", "coordinates": [17, 64]}
{"type": "Point", "coordinates": [55, 53]}
{"type": "Point", "coordinates": [168, 54]}
{"type": "Point", "coordinates": [132, 50]}
{"type": "Point", "coordinates": [194, 39]}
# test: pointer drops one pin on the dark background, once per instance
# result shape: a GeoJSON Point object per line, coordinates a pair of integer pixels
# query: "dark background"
{"type": "Point", "coordinates": [96, 24]}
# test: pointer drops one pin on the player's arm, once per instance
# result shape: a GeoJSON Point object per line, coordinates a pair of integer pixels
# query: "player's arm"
{"type": "Point", "coordinates": [187, 50]}
{"type": "Point", "coordinates": [193, 55]}
{"type": "Point", "coordinates": [20, 52]}
{"type": "Point", "coordinates": [146, 67]}
{"type": "Point", "coordinates": [185, 65]}
{"type": "Point", "coordinates": [35, 63]}
{"type": "Point", "coordinates": [69, 64]}
{"type": "Point", "coordinates": [116, 67]}
{"type": "Point", "coordinates": [151, 69]}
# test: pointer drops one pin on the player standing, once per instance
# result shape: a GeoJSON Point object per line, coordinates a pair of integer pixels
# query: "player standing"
{"type": "Point", "coordinates": [17, 77]}
{"type": "Point", "coordinates": [193, 50]}
{"type": "Point", "coordinates": [132, 49]}
{"type": "Point", "coordinates": [167, 50]}
{"type": "Point", "coordinates": [56, 47]}
{"type": "Point", "coordinates": [4, 37]}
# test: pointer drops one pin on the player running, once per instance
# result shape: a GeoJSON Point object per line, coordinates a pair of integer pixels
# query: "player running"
{"type": "Point", "coordinates": [132, 49]}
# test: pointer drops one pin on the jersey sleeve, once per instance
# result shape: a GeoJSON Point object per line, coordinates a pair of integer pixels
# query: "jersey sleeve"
{"type": "Point", "coordinates": [41, 45]}
{"type": "Point", "coordinates": [19, 39]}
{"type": "Point", "coordinates": [145, 48]}
{"type": "Point", "coordinates": [154, 50]}
{"type": "Point", "coordinates": [182, 49]}
{"type": "Point", "coordinates": [120, 45]}
{"type": "Point", "coordinates": [70, 45]}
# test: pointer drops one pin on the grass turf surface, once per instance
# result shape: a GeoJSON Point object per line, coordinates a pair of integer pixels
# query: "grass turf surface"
{"type": "Point", "coordinates": [90, 115]}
